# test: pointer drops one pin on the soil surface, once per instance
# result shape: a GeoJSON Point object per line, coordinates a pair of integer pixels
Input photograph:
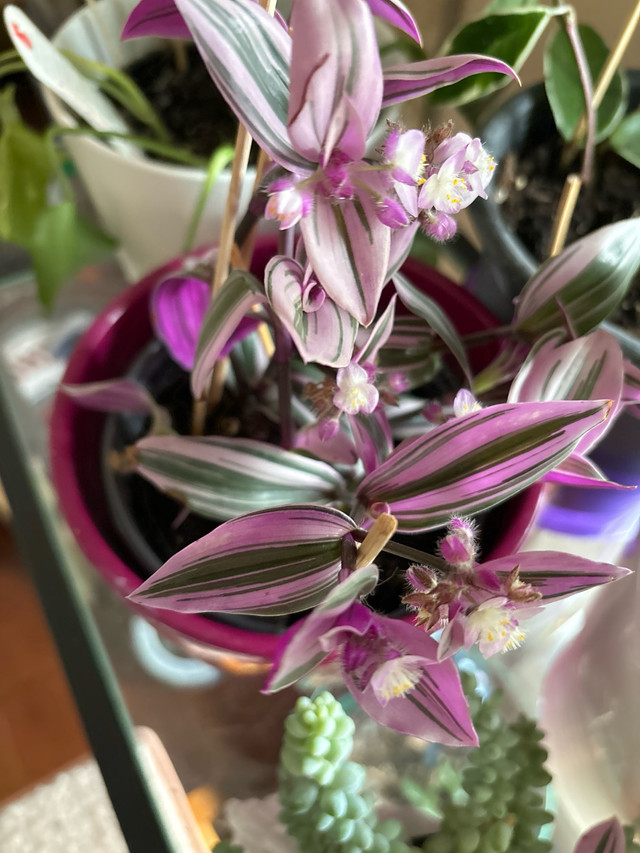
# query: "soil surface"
{"type": "Point", "coordinates": [530, 186]}
{"type": "Point", "coordinates": [193, 110]}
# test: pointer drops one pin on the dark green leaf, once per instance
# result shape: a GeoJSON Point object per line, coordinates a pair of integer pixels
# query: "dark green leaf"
{"type": "Point", "coordinates": [564, 90]}
{"type": "Point", "coordinates": [61, 244]}
{"type": "Point", "coordinates": [625, 140]}
{"type": "Point", "coordinates": [509, 37]}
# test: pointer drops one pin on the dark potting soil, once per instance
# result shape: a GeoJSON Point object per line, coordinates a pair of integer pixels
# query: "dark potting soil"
{"type": "Point", "coordinates": [530, 186]}
{"type": "Point", "coordinates": [193, 110]}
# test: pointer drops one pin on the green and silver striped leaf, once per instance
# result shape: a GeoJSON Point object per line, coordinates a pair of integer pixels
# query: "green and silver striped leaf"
{"type": "Point", "coordinates": [221, 478]}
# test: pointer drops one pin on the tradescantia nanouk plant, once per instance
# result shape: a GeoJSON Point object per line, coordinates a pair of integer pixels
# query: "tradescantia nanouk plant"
{"type": "Point", "coordinates": [299, 526]}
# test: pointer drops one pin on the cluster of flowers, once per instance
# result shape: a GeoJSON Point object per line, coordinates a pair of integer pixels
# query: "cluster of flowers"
{"type": "Point", "coordinates": [423, 176]}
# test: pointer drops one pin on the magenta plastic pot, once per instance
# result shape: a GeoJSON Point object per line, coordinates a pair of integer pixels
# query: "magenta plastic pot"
{"type": "Point", "coordinates": [107, 350]}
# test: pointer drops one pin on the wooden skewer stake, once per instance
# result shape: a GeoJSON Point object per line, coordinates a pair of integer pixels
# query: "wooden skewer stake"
{"type": "Point", "coordinates": [225, 252]}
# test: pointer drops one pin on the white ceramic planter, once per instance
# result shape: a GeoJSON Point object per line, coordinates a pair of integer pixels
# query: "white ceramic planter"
{"type": "Point", "coordinates": [146, 205]}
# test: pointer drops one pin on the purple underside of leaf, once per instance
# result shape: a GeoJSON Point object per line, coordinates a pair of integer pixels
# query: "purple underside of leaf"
{"type": "Point", "coordinates": [155, 18]}
{"type": "Point", "coordinates": [334, 62]}
{"type": "Point", "coordinates": [112, 395]}
{"type": "Point", "coordinates": [273, 562]}
{"type": "Point", "coordinates": [411, 80]}
{"type": "Point", "coordinates": [555, 574]}
{"type": "Point", "coordinates": [436, 708]}
{"type": "Point", "coordinates": [396, 13]}
{"type": "Point", "coordinates": [606, 837]}
{"type": "Point", "coordinates": [178, 307]}
{"type": "Point", "coordinates": [478, 460]}
{"type": "Point", "coordinates": [348, 248]}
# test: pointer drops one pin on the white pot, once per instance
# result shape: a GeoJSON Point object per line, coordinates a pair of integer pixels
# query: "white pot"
{"type": "Point", "coordinates": [146, 205]}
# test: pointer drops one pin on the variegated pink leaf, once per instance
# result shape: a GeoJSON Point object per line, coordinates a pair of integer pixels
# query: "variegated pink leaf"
{"type": "Point", "coordinates": [401, 243]}
{"type": "Point", "coordinates": [247, 55]}
{"type": "Point", "coordinates": [224, 477]}
{"type": "Point", "coordinates": [476, 461]}
{"type": "Point", "coordinates": [348, 248]}
{"type": "Point", "coordinates": [396, 13]}
{"type": "Point", "coordinates": [325, 335]}
{"type": "Point", "coordinates": [555, 574]}
{"type": "Point", "coordinates": [606, 837]}
{"type": "Point", "coordinates": [274, 562]}
{"type": "Point", "coordinates": [414, 79]}
{"type": "Point", "coordinates": [428, 309]}
{"type": "Point", "coordinates": [587, 368]}
{"type": "Point", "coordinates": [237, 295]}
{"type": "Point", "coordinates": [336, 449]}
{"type": "Point", "coordinates": [583, 284]}
{"type": "Point", "coordinates": [335, 65]}
{"type": "Point", "coordinates": [155, 18]}
{"type": "Point", "coordinates": [409, 354]}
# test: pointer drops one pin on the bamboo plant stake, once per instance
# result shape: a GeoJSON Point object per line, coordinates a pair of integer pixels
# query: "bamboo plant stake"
{"type": "Point", "coordinates": [225, 252]}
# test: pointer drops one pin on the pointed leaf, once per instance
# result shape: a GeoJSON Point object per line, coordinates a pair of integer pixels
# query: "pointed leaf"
{"type": "Point", "coordinates": [335, 60]}
{"type": "Point", "coordinates": [269, 563]}
{"type": "Point", "coordinates": [155, 18]}
{"type": "Point", "coordinates": [237, 295]}
{"type": "Point", "coordinates": [589, 279]}
{"type": "Point", "coordinates": [588, 368]}
{"type": "Point", "coordinates": [625, 140]}
{"type": "Point", "coordinates": [509, 37]}
{"type": "Point", "coordinates": [348, 248]}
{"type": "Point", "coordinates": [428, 309]}
{"type": "Point", "coordinates": [606, 837]}
{"type": "Point", "coordinates": [564, 89]}
{"type": "Point", "coordinates": [396, 13]}
{"type": "Point", "coordinates": [414, 79]}
{"type": "Point", "coordinates": [326, 335]}
{"type": "Point", "coordinates": [477, 461]}
{"type": "Point", "coordinates": [247, 55]}
{"type": "Point", "coordinates": [300, 650]}
{"type": "Point", "coordinates": [224, 477]}
{"type": "Point", "coordinates": [409, 353]}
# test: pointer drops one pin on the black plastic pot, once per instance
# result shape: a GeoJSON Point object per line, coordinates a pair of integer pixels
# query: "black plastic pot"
{"type": "Point", "coordinates": [505, 264]}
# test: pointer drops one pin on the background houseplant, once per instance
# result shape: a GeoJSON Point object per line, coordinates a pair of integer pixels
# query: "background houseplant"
{"type": "Point", "coordinates": [357, 217]}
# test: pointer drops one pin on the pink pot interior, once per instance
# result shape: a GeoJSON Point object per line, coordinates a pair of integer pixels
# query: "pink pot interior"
{"type": "Point", "coordinates": [106, 351]}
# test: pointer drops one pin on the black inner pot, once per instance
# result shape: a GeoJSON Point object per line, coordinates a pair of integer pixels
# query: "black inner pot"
{"type": "Point", "coordinates": [153, 526]}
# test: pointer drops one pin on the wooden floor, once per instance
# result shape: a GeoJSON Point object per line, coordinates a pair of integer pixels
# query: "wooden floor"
{"type": "Point", "coordinates": [39, 728]}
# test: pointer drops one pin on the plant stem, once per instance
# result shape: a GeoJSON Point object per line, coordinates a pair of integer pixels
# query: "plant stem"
{"type": "Point", "coordinates": [415, 555]}
{"type": "Point", "coordinates": [220, 160]}
{"type": "Point", "coordinates": [283, 362]}
{"type": "Point", "coordinates": [376, 539]}
{"type": "Point", "coordinates": [588, 121]}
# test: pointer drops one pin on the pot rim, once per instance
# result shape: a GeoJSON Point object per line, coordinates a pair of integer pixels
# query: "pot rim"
{"type": "Point", "coordinates": [67, 420]}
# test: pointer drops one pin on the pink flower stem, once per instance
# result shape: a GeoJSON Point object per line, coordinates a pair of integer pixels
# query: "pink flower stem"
{"type": "Point", "coordinates": [413, 554]}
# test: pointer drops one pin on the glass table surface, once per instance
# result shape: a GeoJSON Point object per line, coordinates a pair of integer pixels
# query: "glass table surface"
{"type": "Point", "coordinates": [219, 731]}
